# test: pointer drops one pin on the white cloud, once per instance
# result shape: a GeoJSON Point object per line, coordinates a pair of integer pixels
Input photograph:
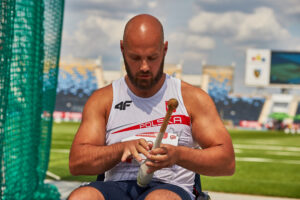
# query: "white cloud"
{"type": "Point", "coordinates": [112, 3]}
{"type": "Point", "coordinates": [200, 42]}
{"type": "Point", "coordinates": [209, 1]}
{"type": "Point", "coordinates": [290, 7]}
{"type": "Point", "coordinates": [112, 28]}
{"type": "Point", "coordinates": [208, 22]}
{"type": "Point", "coordinates": [194, 55]}
{"type": "Point", "coordinates": [152, 4]}
{"type": "Point", "coordinates": [261, 25]}
{"type": "Point", "coordinates": [176, 39]}
{"type": "Point", "coordinates": [186, 40]}
{"type": "Point", "coordinates": [94, 36]}
{"type": "Point", "coordinates": [189, 47]}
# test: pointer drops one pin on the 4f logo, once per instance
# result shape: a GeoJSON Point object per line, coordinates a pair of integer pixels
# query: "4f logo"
{"type": "Point", "coordinates": [122, 105]}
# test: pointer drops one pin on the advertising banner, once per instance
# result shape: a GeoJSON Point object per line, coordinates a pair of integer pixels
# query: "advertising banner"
{"type": "Point", "coordinates": [258, 67]}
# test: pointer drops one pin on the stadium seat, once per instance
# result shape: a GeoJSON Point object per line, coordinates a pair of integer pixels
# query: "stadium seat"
{"type": "Point", "coordinates": [240, 108]}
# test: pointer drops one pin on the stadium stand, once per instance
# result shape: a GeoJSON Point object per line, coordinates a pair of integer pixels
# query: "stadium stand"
{"type": "Point", "coordinates": [74, 88]}
{"type": "Point", "coordinates": [79, 78]}
{"type": "Point", "coordinates": [76, 83]}
{"type": "Point", "coordinates": [238, 109]}
{"type": "Point", "coordinates": [234, 108]}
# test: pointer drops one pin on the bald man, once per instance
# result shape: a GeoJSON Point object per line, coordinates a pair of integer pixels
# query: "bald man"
{"type": "Point", "coordinates": [119, 119]}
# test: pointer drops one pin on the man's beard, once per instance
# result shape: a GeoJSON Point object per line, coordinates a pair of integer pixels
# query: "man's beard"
{"type": "Point", "coordinates": [142, 83]}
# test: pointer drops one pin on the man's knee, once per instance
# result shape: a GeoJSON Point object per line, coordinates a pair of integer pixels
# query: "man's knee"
{"type": "Point", "coordinates": [85, 193]}
{"type": "Point", "coordinates": [162, 194]}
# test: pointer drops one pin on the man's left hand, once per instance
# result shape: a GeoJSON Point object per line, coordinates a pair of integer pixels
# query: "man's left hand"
{"type": "Point", "coordinates": [162, 157]}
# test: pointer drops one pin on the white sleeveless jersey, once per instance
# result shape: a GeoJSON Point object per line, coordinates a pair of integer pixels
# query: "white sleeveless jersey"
{"type": "Point", "coordinates": [131, 115]}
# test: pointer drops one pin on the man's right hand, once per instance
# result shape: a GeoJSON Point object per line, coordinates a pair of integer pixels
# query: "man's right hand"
{"type": "Point", "coordinates": [134, 147]}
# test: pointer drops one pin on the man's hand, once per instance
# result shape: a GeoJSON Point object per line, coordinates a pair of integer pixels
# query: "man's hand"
{"type": "Point", "coordinates": [162, 157]}
{"type": "Point", "coordinates": [134, 147]}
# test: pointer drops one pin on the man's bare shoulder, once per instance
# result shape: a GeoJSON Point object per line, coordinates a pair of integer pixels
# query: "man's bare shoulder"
{"type": "Point", "coordinates": [190, 92]}
{"type": "Point", "coordinates": [100, 100]}
{"type": "Point", "coordinates": [194, 97]}
{"type": "Point", "coordinates": [106, 93]}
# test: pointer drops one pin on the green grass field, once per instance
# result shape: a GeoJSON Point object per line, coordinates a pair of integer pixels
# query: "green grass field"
{"type": "Point", "coordinates": [268, 163]}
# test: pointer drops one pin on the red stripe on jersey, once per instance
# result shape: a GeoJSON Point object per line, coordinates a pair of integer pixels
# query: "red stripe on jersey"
{"type": "Point", "coordinates": [175, 119]}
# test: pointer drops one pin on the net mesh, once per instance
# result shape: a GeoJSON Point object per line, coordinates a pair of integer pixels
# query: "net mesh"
{"type": "Point", "coordinates": [30, 38]}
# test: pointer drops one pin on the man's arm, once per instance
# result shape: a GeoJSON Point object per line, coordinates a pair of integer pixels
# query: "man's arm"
{"type": "Point", "coordinates": [216, 158]}
{"type": "Point", "coordinates": [89, 155]}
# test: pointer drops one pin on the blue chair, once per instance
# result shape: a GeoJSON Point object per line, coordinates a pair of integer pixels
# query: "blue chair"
{"type": "Point", "coordinates": [197, 191]}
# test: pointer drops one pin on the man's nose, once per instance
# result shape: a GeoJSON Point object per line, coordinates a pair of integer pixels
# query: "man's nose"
{"type": "Point", "coordinates": [144, 66]}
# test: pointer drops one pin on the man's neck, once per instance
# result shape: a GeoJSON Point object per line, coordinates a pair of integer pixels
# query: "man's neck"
{"type": "Point", "coordinates": [148, 92]}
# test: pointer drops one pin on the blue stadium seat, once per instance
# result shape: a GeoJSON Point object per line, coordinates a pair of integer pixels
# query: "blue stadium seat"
{"type": "Point", "coordinates": [240, 108]}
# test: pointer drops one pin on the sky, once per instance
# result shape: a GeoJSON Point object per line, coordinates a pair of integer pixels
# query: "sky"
{"type": "Point", "coordinates": [199, 32]}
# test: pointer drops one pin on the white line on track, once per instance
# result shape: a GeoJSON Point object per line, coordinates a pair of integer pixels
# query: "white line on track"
{"type": "Point", "coordinates": [60, 150]}
{"type": "Point", "coordinates": [266, 147]}
{"type": "Point", "coordinates": [61, 142]}
{"type": "Point", "coordinates": [267, 160]}
{"type": "Point", "coordinates": [283, 153]}
{"type": "Point", "coordinates": [236, 150]}
{"type": "Point", "coordinates": [264, 142]}
{"type": "Point", "coordinates": [276, 153]}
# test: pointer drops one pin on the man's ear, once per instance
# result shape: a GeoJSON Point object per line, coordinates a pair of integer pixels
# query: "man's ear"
{"type": "Point", "coordinates": [121, 46]}
{"type": "Point", "coordinates": [165, 47]}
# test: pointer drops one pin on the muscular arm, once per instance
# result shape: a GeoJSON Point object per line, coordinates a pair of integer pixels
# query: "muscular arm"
{"type": "Point", "coordinates": [216, 158]}
{"type": "Point", "coordinates": [89, 155]}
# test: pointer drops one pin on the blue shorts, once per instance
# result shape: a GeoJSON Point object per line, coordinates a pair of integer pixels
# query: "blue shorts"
{"type": "Point", "coordinates": [129, 190]}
